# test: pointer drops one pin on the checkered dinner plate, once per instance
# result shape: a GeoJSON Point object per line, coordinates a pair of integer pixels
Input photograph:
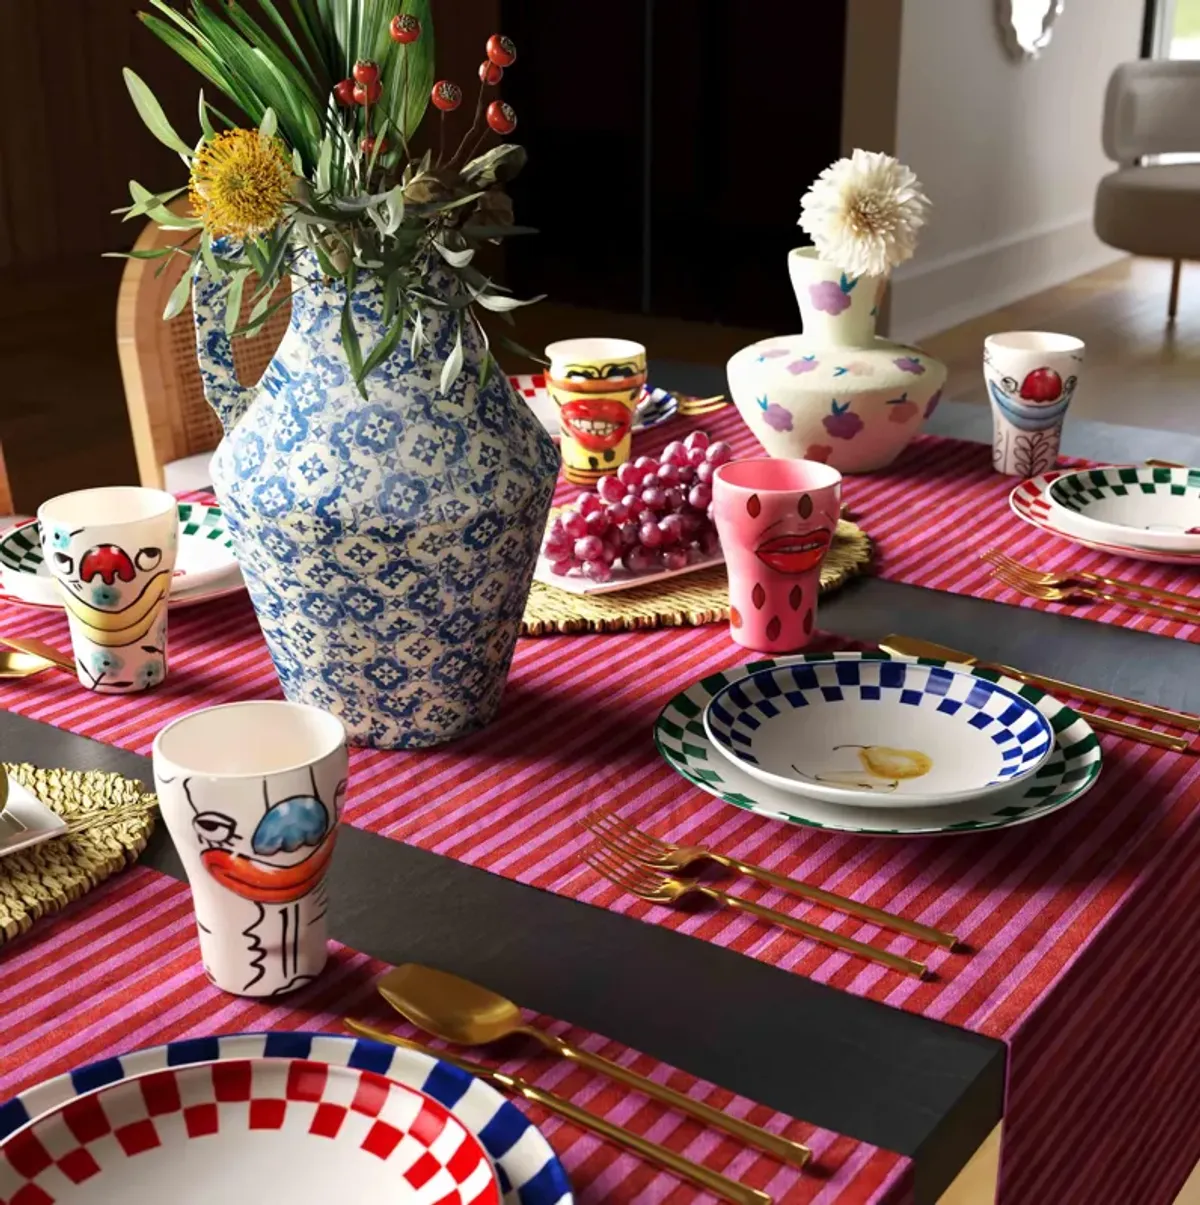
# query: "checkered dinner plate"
{"type": "Point", "coordinates": [340, 1080]}
{"type": "Point", "coordinates": [879, 733]}
{"type": "Point", "coordinates": [248, 1129]}
{"type": "Point", "coordinates": [1067, 774]}
{"type": "Point", "coordinates": [205, 568]}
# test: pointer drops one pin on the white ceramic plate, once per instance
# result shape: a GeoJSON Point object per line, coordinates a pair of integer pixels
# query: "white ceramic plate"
{"type": "Point", "coordinates": [1070, 771]}
{"type": "Point", "coordinates": [656, 407]}
{"type": "Point", "coordinates": [1139, 506]}
{"type": "Point", "coordinates": [528, 1170]}
{"type": "Point", "coordinates": [26, 820]}
{"type": "Point", "coordinates": [622, 579]}
{"type": "Point", "coordinates": [1030, 501]}
{"type": "Point", "coordinates": [249, 1129]}
{"type": "Point", "coordinates": [206, 567]}
{"type": "Point", "coordinates": [878, 733]}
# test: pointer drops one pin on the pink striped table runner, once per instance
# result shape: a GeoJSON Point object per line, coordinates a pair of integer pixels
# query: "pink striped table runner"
{"type": "Point", "coordinates": [1043, 906]}
{"type": "Point", "coordinates": [118, 972]}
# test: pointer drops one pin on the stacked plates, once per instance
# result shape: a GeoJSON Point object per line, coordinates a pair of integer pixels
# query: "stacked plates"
{"type": "Point", "coordinates": [868, 743]}
{"type": "Point", "coordinates": [283, 1116]}
{"type": "Point", "coordinates": [1146, 513]}
{"type": "Point", "coordinates": [205, 567]}
{"type": "Point", "coordinates": [655, 408]}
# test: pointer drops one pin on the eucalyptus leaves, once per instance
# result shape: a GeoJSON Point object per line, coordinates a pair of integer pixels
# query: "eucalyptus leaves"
{"type": "Point", "coordinates": [313, 174]}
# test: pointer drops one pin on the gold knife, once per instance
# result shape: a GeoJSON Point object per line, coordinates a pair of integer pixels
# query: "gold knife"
{"type": "Point", "coordinates": [911, 646]}
{"type": "Point", "coordinates": [39, 648]}
{"type": "Point", "coordinates": [714, 1182]}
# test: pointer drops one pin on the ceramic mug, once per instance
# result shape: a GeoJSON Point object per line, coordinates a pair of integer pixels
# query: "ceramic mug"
{"type": "Point", "coordinates": [776, 520]}
{"type": "Point", "coordinates": [1031, 377]}
{"type": "Point", "coordinates": [251, 794]}
{"type": "Point", "coordinates": [596, 385]}
{"type": "Point", "coordinates": [112, 552]}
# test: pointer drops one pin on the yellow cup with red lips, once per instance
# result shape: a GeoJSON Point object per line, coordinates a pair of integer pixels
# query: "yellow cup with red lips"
{"type": "Point", "coordinates": [596, 385]}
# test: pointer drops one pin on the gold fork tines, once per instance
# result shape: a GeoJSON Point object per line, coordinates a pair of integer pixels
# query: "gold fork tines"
{"type": "Point", "coordinates": [1085, 594]}
{"type": "Point", "coordinates": [995, 557]}
{"type": "Point", "coordinates": [661, 888]}
{"type": "Point", "coordinates": [634, 844]}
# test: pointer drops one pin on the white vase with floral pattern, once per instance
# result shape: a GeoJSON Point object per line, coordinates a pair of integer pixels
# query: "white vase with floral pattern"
{"type": "Point", "coordinates": [836, 393]}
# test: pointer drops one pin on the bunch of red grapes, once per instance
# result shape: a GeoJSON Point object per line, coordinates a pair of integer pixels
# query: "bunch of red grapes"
{"type": "Point", "coordinates": [651, 514]}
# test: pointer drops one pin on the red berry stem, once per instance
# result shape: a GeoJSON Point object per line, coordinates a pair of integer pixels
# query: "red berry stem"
{"type": "Point", "coordinates": [441, 137]}
{"type": "Point", "coordinates": [474, 125]}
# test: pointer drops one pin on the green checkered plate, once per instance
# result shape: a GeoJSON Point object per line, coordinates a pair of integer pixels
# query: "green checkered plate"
{"type": "Point", "coordinates": [1068, 773]}
{"type": "Point", "coordinates": [1153, 508]}
{"type": "Point", "coordinates": [205, 567]}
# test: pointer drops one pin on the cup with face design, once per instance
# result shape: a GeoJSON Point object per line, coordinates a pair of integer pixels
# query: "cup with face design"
{"type": "Point", "coordinates": [776, 520]}
{"type": "Point", "coordinates": [1031, 378]}
{"type": "Point", "coordinates": [251, 794]}
{"type": "Point", "coordinates": [596, 385]}
{"type": "Point", "coordinates": [112, 553]}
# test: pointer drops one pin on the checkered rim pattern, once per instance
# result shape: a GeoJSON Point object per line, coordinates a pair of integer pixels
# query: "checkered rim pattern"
{"type": "Point", "coordinates": [1030, 501]}
{"type": "Point", "coordinates": [442, 1162]}
{"type": "Point", "coordinates": [1070, 770]}
{"type": "Point", "coordinates": [21, 548]}
{"type": "Point", "coordinates": [655, 408]}
{"type": "Point", "coordinates": [528, 1170]}
{"type": "Point", "coordinates": [1020, 732]}
{"type": "Point", "coordinates": [1077, 491]}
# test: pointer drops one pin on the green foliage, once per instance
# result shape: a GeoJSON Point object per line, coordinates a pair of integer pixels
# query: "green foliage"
{"type": "Point", "coordinates": [358, 213]}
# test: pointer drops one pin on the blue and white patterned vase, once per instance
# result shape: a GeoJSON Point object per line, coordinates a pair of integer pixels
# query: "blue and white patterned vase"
{"type": "Point", "coordinates": [388, 543]}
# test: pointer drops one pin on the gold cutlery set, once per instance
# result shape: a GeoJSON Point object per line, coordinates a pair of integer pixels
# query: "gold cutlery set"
{"type": "Point", "coordinates": [465, 1014]}
{"type": "Point", "coordinates": [1084, 588]}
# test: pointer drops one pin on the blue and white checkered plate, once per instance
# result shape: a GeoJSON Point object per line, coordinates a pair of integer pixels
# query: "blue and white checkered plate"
{"type": "Point", "coordinates": [1070, 767]}
{"type": "Point", "coordinates": [878, 732]}
{"type": "Point", "coordinates": [528, 1170]}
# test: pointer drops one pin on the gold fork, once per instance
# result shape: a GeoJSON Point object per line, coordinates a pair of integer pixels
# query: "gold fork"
{"type": "Point", "coordinates": [995, 557]}
{"type": "Point", "coordinates": [636, 845]}
{"type": "Point", "coordinates": [1082, 594]}
{"type": "Point", "coordinates": [661, 888]}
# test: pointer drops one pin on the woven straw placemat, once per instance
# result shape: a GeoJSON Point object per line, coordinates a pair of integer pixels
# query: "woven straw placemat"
{"type": "Point", "coordinates": [45, 878]}
{"type": "Point", "coordinates": [695, 598]}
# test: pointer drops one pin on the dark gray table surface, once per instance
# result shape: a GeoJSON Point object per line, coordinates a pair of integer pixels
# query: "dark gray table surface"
{"type": "Point", "coordinates": [912, 1085]}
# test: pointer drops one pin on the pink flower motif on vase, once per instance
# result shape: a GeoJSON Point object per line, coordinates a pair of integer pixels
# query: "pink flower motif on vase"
{"type": "Point", "coordinates": [932, 404]}
{"type": "Point", "coordinates": [774, 415]}
{"type": "Point", "coordinates": [859, 369]}
{"type": "Point", "coordinates": [842, 422]}
{"type": "Point", "coordinates": [772, 353]}
{"type": "Point", "coordinates": [900, 409]}
{"type": "Point", "coordinates": [802, 365]}
{"type": "Point", "coordinates": [831, 297]}
{"type": "Point", "coordinates": [909, 364]}
{"type": "Point", "coordinates": [818, 452]}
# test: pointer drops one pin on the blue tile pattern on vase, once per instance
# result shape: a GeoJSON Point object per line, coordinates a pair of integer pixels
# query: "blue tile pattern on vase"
{"type": "Point", "coordinates": [388, 543]}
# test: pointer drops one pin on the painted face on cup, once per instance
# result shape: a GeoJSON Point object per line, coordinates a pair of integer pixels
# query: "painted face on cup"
{"type": "Point", "coordinates": [596, 385]}
{"type": "Point", "coordinates": [790, 540]}
{"type": "Point", "coordinates": [108, 588]}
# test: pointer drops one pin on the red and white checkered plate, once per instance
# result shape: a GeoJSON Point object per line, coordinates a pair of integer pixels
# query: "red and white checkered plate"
{"type": "Point", "coordinates": [253, 1130]}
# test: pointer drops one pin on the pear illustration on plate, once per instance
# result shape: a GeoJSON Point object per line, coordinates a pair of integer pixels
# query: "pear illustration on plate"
{"type": "Point", "coordinates": [882, 762]}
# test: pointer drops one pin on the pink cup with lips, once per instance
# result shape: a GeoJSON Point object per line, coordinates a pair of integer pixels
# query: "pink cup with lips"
{"type": "Point", "coordinates": [776, 520]}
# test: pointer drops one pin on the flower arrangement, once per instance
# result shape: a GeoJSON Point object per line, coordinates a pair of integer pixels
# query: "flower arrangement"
{"type": "Point", "coordinates": [324, 170]}
{"type": "Point", "coordinates": [863, 214]}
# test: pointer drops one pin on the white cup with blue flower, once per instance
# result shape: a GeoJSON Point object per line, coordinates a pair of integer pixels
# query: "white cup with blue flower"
{"type": "Point", "coordinates": [112, 552]}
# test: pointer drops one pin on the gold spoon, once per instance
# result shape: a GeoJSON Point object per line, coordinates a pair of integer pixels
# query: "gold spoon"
{"type": "Point", "coordinates": [14, 664]}
{"type": "Point", "coordinates": [466, 1014]}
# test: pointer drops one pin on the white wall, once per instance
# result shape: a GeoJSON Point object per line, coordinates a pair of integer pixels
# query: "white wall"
{"type": "Point", "coordinates": [1009, 153]}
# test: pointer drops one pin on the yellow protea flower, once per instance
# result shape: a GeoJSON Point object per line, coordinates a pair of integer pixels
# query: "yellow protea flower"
{"type": "Point", "coordinates": [240, 183]}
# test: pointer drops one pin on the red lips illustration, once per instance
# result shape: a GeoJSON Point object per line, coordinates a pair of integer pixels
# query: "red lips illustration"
{"type": "Point", "coordinates": [106, 561]}
{"type": "Point", "coordinates": [597, 423]}
{"type": "Point", "coordinates": [792, 554]}
{"type": "Point", "coordinates": [254, 880]}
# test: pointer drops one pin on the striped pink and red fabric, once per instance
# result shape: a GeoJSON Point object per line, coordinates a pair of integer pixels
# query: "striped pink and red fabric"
{"type": "Point", "coordinates": [1061, 916]}
{"type": "Point", "coordinates": [119, 971]}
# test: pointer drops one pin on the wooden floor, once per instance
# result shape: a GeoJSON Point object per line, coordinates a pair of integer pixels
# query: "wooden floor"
{"type": "Point", "coordinates": [62, 410]}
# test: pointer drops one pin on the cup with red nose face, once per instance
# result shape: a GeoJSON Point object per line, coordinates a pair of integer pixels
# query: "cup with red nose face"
{"type": "Point", "coordinates": [112, 552]}
{"type": "Point", "coordinates": [596, 385]}
{"type": "Point", "coordinates": [776, 520]}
